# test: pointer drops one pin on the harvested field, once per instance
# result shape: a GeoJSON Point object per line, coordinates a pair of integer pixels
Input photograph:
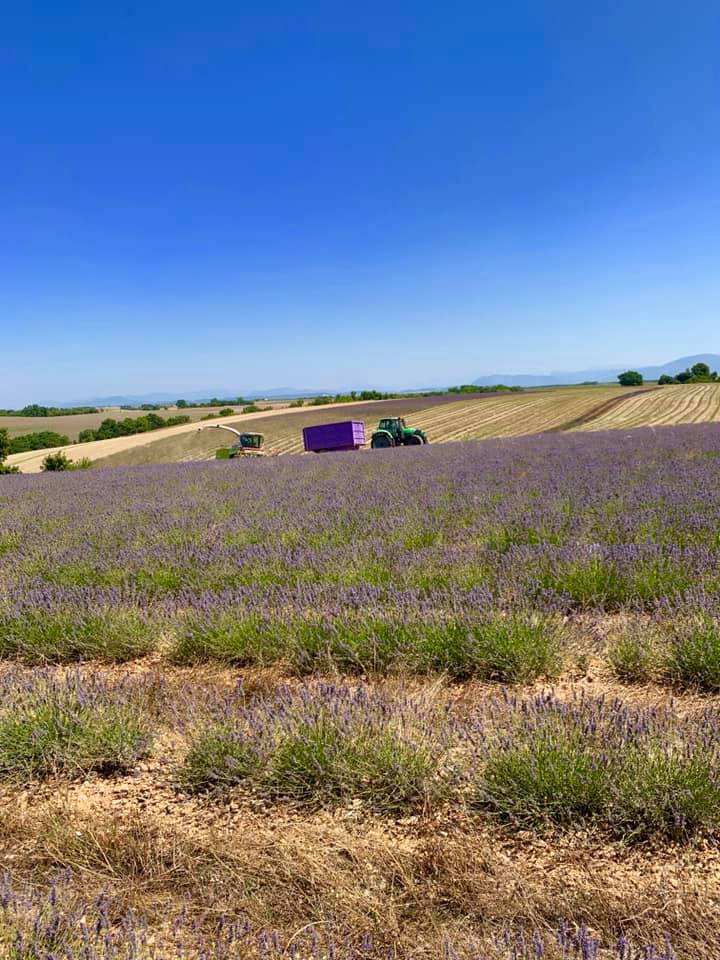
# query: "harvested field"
{"type": "Point", "coordinates": [444, 418]}
{"type": "Point", "coordinates": [684, 403]}
{"type": "Point", "coordinates": [465, 701]}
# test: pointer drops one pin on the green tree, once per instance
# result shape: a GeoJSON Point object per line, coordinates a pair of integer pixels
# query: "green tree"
{"type": "Point", "coordinates": [685, 376]}
{"type": "Point", "coordinates": [38, 441]}
{"type": "Point", "coordinates": [665, 378]}
{"type": "Point", "coordinates": [56, 461]}
{"type": "Point", "coordinates": [631, 378]}
{"type": "Point", "coordinates": [181, 404]}
{"type": "Point", "coordinates": [4, 451]}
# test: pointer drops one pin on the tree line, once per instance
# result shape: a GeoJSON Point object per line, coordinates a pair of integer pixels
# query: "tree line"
{"type": "Point", "coordinates": [697, 373]}
{"type": "Point", "coordinates": [110, 428]}
{"type": "Point", "coordinates": [36, 410]}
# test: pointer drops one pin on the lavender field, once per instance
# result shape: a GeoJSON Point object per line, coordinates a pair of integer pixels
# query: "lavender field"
{"type": "Point", "coordinates": [456, 700]}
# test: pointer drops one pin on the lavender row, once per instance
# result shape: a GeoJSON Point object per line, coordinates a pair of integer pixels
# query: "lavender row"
{"type": "Point", "coordinates": [528, 762]}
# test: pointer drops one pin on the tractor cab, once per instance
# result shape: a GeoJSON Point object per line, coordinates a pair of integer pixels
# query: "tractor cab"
{"type": "Point", "coordinates": [393, 425]}
{"type": "Point", "coordinates": [246, 445]}
{"type": "Point", "coordinates": [251, 441]}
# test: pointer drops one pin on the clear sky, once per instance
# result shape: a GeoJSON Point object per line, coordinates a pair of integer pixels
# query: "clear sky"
{"type": "Point", "coordinates": [253, 194]}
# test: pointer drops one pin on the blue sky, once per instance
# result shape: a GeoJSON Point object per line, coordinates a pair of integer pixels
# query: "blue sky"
{"type": "Point", "coordinates": [245, 195]}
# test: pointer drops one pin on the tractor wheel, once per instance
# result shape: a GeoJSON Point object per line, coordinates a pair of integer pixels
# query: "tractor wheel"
{"type": "Point", "coordinates": [414, 440]}
{"type": "Point", "coordinates": [382, 440]}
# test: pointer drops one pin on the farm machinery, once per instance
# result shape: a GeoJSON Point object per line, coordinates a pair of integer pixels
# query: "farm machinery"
{"type": "Point", "coordinates": [394, 432]}
{"type": "Point", "coordinates": [247, 445]}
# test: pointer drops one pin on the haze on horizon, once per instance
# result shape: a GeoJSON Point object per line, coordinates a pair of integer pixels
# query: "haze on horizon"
{"type": "Point", "coordinates": [394, 195]}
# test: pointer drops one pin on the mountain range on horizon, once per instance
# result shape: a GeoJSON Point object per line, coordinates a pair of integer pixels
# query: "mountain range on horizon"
{"type": "Point", "coordinates": [553, 378]}
{"type": "Point", "coordinates": [602, 375]}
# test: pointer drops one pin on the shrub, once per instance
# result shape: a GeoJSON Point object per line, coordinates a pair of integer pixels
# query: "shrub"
{"type": "Point", "coordinates": [367, 646]}
{"type": "Point", "coordinates": [693, 654]}
{"type": "Point", "coordinates": [510, 649]}
{"type": "Point", "coordinates": [38, 441]}
{"type": "Point", "coordinates": [631, 378]}
{"type": "Point", "coordinates": [322, 744]}
{"type": "Point", "coordinates": [608, 584]}
{"type": "Point", "coordinates": [63, 634]}
{"type": "Point", "coordinates": [226, 412]}
{"type": "Point", "coordinates": [633, 658]}
{"type": "Point", "coordinates": [554, 772]}
{"type": "Point", "coordinates": [668, 793]}
{"type": "Point", "coordinates": [69, 726]}
{"type": "Point", "coordinates": [637, 772]}
{"type": "Point", "coordinates": [242, 640]}
{"type": "Point", "coordinates": [56, 461]}
{"type": "Point", "coordinates": [4, 445]}
{"type": "Point", "coordinates": [110, 428]}
{"type": "Point", "coordinates": [513, 649]}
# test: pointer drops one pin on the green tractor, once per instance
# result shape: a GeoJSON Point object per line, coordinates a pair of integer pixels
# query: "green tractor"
{"type": "Point", "coordinates": [394, 432]}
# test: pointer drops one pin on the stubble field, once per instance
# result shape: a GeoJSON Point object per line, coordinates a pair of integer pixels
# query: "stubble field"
{"type": "Point", "coordinates": [459, 700]}
{"type": "Point", "coordinates": [688, 403]}
{"type": "Point", "coordinates": [444, 418]}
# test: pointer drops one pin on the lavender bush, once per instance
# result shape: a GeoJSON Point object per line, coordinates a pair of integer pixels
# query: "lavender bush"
{"type": "Point", "coordinates": [69, 725]}
{"type": "Point", "coordinates": [636, 771]}
{"type": "Point", "coordinates": [323, 743]}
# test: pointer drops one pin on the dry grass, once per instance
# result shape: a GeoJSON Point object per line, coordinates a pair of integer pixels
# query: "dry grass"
{"type": "Point", "coordinates": [411, 881]}
{"type": "Point", "coordinates": [412, 884]}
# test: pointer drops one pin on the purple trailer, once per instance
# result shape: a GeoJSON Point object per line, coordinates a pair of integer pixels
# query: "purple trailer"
{"type": "Point", "coordinates": [348, 435]}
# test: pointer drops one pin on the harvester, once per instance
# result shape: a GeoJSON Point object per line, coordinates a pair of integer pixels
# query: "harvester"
{"type": "Point", "coordinates": [394, 432]}
{"type": "Point", "coordinates": [248, 445]}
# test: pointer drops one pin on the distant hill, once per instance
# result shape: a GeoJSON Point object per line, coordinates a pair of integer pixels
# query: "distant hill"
{"type": "Point", "coordinates": [602, 375]}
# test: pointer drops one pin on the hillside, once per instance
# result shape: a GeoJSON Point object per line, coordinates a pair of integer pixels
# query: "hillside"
{"type": "Point", "coordinates": [445, 419]}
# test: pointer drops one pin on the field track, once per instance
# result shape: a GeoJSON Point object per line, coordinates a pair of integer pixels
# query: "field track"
{"type": "Point", "coordinates": [692, 403]}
